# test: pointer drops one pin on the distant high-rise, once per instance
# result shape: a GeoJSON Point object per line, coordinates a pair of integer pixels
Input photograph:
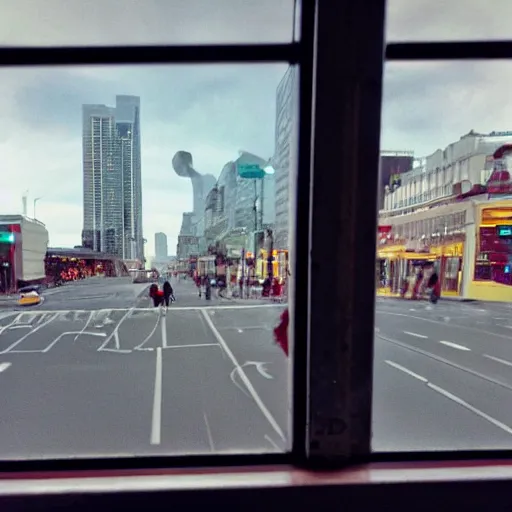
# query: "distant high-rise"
{"type": "Point", "coordinates": [161, 251]}
{"type": "Point", "coordinates": [112, 178]}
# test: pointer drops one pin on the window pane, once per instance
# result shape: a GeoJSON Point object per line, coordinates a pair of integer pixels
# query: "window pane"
{"type": "Point", "coordinates": [443, 369]}
{"type": "Point", "coordinates": [119, 22]}
{"type": "Point", "coordinates": [141, 176]}
{"type": "Point", "coordinates": [448, 20]}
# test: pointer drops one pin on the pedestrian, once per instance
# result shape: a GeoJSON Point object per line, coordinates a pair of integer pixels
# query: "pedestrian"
{"type": "Point", "coordinates": [156, 295]}
{"type": "Point", "coordinates": [168, 293]}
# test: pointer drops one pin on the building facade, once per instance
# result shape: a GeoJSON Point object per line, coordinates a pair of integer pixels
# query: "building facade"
{"type": "Point", "coordinates": [454, 211]}
{"type": "Point", "coordinates": [161, 249]}
{"type": "Point", "coordinates": [285, 147]}
{"type": "Point", "coordinates": [112, 187]}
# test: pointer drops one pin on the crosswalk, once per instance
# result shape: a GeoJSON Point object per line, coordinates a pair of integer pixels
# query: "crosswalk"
{"type": "Point", "coordinates": [121, 331]}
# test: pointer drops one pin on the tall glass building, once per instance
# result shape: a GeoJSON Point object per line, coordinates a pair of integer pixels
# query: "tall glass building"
{"type": "Point", "coordinates": [285, 145]}
{"type": "Point", "coordinates": [112, 187]}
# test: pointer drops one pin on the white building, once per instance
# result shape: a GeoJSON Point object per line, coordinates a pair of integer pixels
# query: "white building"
{"type": "Point", "coordinates": [467, 161]}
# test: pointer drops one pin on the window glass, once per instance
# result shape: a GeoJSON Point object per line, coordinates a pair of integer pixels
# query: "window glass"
{"type": "Point", "coordinates": [448, 20]}
{"type": "Point", "coordinates": [116, 181]}
{"type": "Point", "coordinates": [443, 338]}
{"type": "Point", "coordinates": [120, 22]}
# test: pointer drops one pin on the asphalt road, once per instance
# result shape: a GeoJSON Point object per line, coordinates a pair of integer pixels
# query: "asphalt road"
{"type": "Point", "coordinates": [442, 376]}
{"type": "Point", "coordinates": [85, 380]}
{"type": "Point", "coordinates": [96, 371]}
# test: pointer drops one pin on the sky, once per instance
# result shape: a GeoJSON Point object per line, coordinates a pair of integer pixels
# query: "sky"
{"type": "Point", "coordinates": [213, 111]}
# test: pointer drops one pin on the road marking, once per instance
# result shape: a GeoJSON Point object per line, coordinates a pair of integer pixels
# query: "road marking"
{"type": "Point", "coordinates": [497, 359]}
{"type": "Point", "coordinates": [209, 433]}
{"type": "Point", "coordinates": [41, 318]}
{"type": "Point", "coordinates": [171, 309]}
{"type": "Point", "coordinates": [455, 345]}
{"type": "Point", "coordinates": [4, 366]}
{"type": "Point", "coordinates": [91, 316]}
{"type": "Point", "coordinates": [119, 350]}
{"type": "Point", "coordinates": [416, 334]}
{"type": "Point", "coordinates": [272, 442]}
{"type": "Point", "coordinates": [164, 331]}
{"type": "Point", "coordinates": [156, 420]}
{"type": "Point", "coordinates": [243, 376]}
{"type": "Point", "coordinates": [193, 345]}
{"type": "Point", "coordinates": [445, 361]}
{"type": "Point", "coordinates": [114, 332]}
{"type": "Point", "coordinates": [405, 370]}
{"type": "Point", "coordinates": [148, 337]}
{"type": "Point", "coordinates": [20, 326]}
{"type": "Point", "coordinates": [60, 336]}
{"type": "Point", "coordinates": [452, 325]}
{"type": "Point", "coordinates": [16, 343]}
{"type": "Point", "coordinates": [15, 321]}
{"type": "Point", "coordinates": [469, 407]}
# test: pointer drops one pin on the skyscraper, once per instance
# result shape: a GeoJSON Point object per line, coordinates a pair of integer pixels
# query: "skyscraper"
{"type": "Point", "coordinates": [284, 158]}
{"type": "Point", "coordinates": [112, 178]}
{"type": "Point", "coordinates": [161, 251]}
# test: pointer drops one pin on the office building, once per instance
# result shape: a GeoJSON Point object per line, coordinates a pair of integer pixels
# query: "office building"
{"type": "Point", "coordinates": [112, 187]}
{"type": "Point", "coordinates": [285, 154]}
{"type": "Point", "coordinates": [161, 247]}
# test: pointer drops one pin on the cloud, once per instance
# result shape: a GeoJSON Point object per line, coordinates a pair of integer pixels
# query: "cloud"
{"type": "Point", "coordinates": [86, 22]}
{"type": "Point", "coordinates": [213, 110]}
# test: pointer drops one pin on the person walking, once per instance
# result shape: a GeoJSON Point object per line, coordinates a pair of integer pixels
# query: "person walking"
{"type": "Point", "coordinates": [168, 293]}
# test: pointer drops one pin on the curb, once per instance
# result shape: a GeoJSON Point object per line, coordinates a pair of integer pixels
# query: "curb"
{"type": "Point", "coordinates": [449, 299]}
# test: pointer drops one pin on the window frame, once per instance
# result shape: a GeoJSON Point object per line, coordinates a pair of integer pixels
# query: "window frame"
{"type": "Point", "coordinates": [333, 428]}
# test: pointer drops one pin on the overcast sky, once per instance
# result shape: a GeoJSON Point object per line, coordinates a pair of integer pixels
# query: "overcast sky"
{"type": "Point", "coordinates": [212, 111]}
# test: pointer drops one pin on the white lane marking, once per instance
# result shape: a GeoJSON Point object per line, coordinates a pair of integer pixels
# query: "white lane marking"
{"type": "Point", "coordinates": [4, 366]}
{"type": "Point", "coordinates": [148, 337]}
{"type": "Point", "coordinates": [174, 308]}
{"type": "Point", "coordinates": [21, 326]}
{"type": "Point", "coordinates": [91, 316]}
{"type": "Point", "coordinates": [16, 343]}
{"type": "Point", "coordinates": [243, 376]}
{"type": "Point", "coordinates": [156, 420]}
{"type": "Point", "coordinates": [452, 325]}
{"type": "Point", "coordinates": [119, 350]}
{"type": "Point", "coordinates": [455, 345]}
{"type": "Point", "coordinates": [272, 442]}
{"type": "Point", "coordinates": [193, 345]}
{"type": "Point", "coordinates": [114, 332]}
{"type": "Point", "coordinates": [445, 361]}
{"type": "Point", "coordinates": [416, 334]}
{"type": "Point", "coordinates": [15, 321]}
{"type": "Point", "coordinates": [405, 370]}
{"type": "Point", "coordinates": [260, 366]}
{"type": "Point", "coordinates": [164, 331]}
{"type": "Point", "coordinates": [209, 433]}
{"type": "Point", "coordinates": [469, 407]}
{"type": "Point", "coordinates": [60, 336]}
{"type": "Point", "coordinates": [240, 330]}
{"type": "Point", "coordinates": [498, 360]}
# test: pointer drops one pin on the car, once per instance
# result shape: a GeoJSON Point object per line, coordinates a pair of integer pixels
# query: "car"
{"type": "Point", "coordinates": [29, 298]}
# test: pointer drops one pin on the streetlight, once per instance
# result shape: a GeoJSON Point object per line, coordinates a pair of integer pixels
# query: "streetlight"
{"type": "Point", "coordinates": [35, 201]}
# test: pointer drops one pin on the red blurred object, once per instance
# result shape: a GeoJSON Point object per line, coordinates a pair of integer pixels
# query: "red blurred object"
{"type": "Point", "coordinates": [281, 331]}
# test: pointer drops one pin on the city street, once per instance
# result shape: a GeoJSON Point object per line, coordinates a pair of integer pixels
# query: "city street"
{"type": "Point", "coordinates": [82, 381]}
{"type": "Point", "coordinates": [443, 375]}
{"type": "Point", "coordinates": [95, 370]}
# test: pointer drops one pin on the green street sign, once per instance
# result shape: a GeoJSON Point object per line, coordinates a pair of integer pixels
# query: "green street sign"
{"type": "Point", "coordinates": [6, 238]}
{"type": "Point", "coordinates": [250, 171]}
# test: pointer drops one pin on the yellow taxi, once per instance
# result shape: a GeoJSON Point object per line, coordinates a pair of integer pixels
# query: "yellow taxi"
{"type": "Point", "coordinates": [29, 298]}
